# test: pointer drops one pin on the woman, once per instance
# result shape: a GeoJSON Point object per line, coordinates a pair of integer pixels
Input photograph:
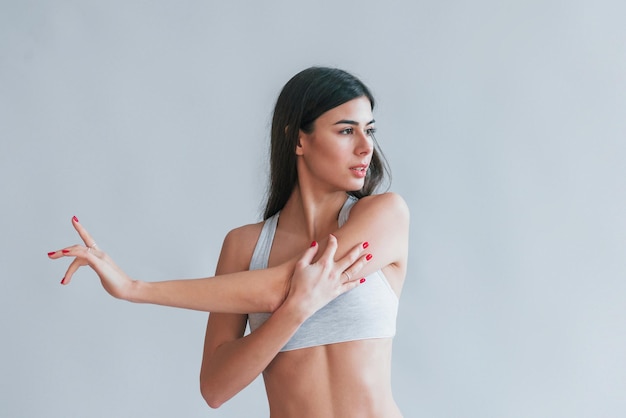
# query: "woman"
{"type": "Point", "coordinates": [321, 330]}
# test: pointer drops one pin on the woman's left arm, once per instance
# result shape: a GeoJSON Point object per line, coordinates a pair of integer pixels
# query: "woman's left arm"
{"type": "Point", "coordinates": [383, 221]}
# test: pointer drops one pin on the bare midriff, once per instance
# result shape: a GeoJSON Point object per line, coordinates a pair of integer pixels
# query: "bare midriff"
{"type": "Point", "coordinates": [346, 380]}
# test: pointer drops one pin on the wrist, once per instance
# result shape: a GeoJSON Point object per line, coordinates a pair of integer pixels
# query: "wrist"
{"type": "Point", "coordinates": [136, 291]}
{"type": "Point", "coordinates": [294, 310]}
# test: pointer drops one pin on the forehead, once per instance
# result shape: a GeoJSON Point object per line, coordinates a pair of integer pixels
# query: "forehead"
{"type": "Point", "coordinates": [358, 110]}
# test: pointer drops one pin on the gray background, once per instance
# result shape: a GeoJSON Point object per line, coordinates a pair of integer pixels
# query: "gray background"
{"type": "Point", "coordinates": [504, 125]}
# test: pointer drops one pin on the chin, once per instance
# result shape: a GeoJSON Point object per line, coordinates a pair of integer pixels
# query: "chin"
{"type": "Point", "coordinates": [355, 187]}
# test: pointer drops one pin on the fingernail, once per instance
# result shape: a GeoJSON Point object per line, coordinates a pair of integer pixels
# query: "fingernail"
{"type": "Point", "coordinates": [75, 219]}
{"type": "Point", "coordinates": [51, 253]}
{"type": "Point", "coordinates": [314, 243]}
{"type": "Point", "coordinates": [368, 257]}
{"type": "Point", "coordinates": [63, 280]}
{"type": "Point", "coordinates": [362, 280]}
{"type": "Point", "coordinates": [366, 244]}
{"type": "Point", "coordinates": [65, 251]}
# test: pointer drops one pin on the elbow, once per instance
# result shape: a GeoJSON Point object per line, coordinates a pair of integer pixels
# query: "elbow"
{"type": "Point", "coordinates": [213, 403]}
{"type": "Point", "coordinates": [211, 394]}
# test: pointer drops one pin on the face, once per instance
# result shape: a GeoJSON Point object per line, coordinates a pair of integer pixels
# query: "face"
{"type": "Point", "coordinates": [337, 153]}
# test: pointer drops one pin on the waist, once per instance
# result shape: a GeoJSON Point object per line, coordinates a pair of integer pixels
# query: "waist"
{"type": "Point", "coordinates": [344, 380]}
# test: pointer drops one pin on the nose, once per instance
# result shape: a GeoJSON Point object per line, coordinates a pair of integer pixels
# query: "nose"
{"type": "Point", "coordinates": [365, 144]}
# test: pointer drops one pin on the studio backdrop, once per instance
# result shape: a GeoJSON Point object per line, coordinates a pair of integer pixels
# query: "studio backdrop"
{"type": "Point", "coordinates": [503, 123]}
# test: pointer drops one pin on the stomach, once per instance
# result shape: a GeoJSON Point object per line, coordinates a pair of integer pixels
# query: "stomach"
{"type": "Point", "coordinates": [345, 380]}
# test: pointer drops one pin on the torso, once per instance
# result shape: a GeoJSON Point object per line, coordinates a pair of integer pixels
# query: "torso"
{"type": "Point", "coordinates": [349, 379]}
{"type": "Point", "coordinates": [344, 380]}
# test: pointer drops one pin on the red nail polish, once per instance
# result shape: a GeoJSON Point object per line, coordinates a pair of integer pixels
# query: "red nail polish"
{"type": "Point", "coordinates": [314, 243]}
{"type": "Point", "coordinates": [75, 219]}
{"type": "Point", "coordinates": [65, 251]}
{"type": "Point", "coordinates": [51, 253]}
{"type": "Point", "coordinates": [362, 280]}
{"type": "Point", "coordinates": [366, 244]}
{"type": "Point", "coordinates": [368, 257]}
{"type": "Point", "coordinates": [63, 280]}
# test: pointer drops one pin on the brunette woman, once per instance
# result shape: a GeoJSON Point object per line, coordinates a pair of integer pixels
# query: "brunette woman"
{"type": "Point", "coordinates": [318, 280]}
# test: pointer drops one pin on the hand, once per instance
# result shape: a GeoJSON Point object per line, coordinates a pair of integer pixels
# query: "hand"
{"type": "Point", "coordinates": [113, 279]}
{"type": "Point", "coordinates": [313, 285]}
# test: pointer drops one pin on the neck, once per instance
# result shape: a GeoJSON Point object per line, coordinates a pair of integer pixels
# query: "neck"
{"type": "Point", "coordinates": [312, 215]}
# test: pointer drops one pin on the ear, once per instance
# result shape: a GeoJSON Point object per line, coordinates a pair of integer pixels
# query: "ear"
{"type": "Point", "coordinates": [301, 136]}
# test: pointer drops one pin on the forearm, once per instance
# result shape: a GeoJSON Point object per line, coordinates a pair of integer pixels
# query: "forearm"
{"type": "Point", "coordinates": [241, 292]}
{"type": "Point", "coordinates": [234, 365]}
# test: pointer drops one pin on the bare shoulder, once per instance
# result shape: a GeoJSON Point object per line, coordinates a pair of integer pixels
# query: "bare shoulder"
{"type": "Point", "coordinates": [387, 205]}
{"type": "Point", "coordinates": [238, 247]}
{"type": "Point", "coordinates": [383, 221]}
{"type": "Point", "coordinates": [244, 234]}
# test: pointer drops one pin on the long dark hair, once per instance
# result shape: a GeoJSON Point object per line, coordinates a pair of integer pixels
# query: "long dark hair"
{"type": "Point", "coordinates": [305, 97]}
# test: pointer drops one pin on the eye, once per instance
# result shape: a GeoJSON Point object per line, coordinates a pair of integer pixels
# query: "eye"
{"type": "Point", "coordinates": [370, 131]}
{"type": "Point", "coordinates": [347, 131]}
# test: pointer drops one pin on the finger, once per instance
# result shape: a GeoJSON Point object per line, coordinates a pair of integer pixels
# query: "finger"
{"type": "Point", "coordinates": [66, 252]}
{"type": "Point", "coordinates": [84, 235]}
{"type": "Point", "coordinates": [352, 284]}
{"type": "Point", "coordinates": [308, 255]}
{"type": "Point", "coordinates": [84, 256]}
{"type": "Point", "coordinates": [350, 273]}
{"type": "Point", "coordinates": [328, 256]}
{"type": "Point", "coordinates": [55, 254]}
{"type": "Point", "coordinates": [70, 271]}
{"type": "Point", "coordinates": [73, 251]}
{"type": "Point", "coordinates": [347, 260]}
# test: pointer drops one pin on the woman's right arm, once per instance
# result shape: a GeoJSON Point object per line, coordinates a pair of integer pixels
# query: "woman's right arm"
{"type": "Point", "coordinates": [232, 293]}
{"type": "Point", "coordinates": [237, 292]}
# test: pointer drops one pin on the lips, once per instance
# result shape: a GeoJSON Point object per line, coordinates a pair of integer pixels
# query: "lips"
{"type": "Point", "coordinates": [360, 167]}
{"type": "Point", "coordinates": [359, 170]}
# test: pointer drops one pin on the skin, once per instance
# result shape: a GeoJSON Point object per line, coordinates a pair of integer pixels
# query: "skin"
{"type": "Point", "coordinates": [245, 291]}
{"type": "Point", "coordinates": [350, 379]}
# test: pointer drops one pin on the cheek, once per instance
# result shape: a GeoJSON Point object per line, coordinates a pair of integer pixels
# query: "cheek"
{"type": "Point", "coordinates": [333, 159]}
{"type": "Point", "coordinates": [322, 152]}
{"type": "Point", "coordinates": [324, 163]}
{"type": "Point", "coordinates": [326, 154]}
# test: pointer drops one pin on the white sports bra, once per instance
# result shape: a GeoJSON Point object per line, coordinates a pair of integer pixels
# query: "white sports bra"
{"type": "Point", "coordinates": [367, 311]}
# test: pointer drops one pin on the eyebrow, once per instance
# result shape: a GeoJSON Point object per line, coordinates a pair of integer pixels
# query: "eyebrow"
{"type": "Point", "coordinates": [352, 122]}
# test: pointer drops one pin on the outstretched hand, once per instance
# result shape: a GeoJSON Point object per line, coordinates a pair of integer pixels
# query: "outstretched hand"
{"type": "Point", "coordinates": [113, 279]}
{"type": "Point", "coordinates": [314, 284]}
